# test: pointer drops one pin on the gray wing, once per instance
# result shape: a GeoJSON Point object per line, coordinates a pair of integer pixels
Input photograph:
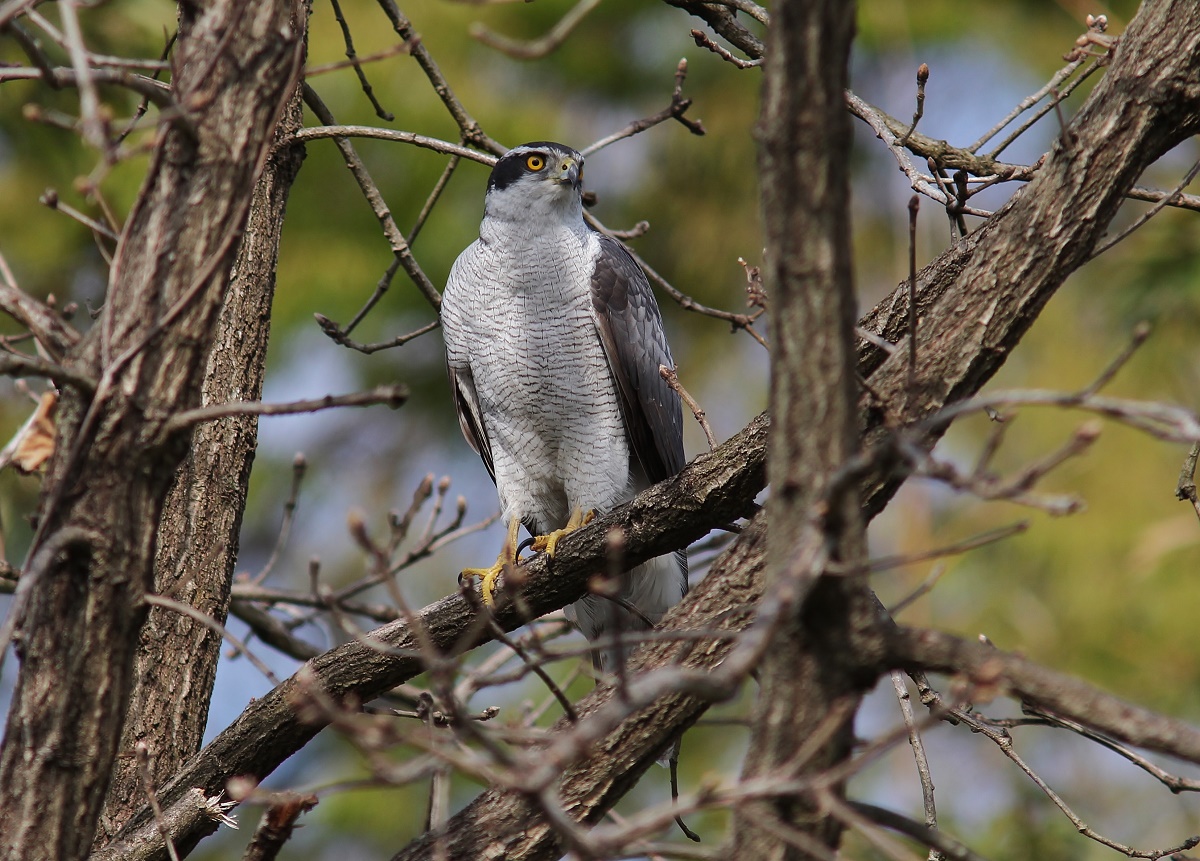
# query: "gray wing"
{"type": "Point", "coordinates": [631, 330]}
{"type": "Point", "coordinates": [470, 418]}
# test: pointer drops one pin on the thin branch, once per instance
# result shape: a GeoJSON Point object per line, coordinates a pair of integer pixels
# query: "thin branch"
{"type": "Point", "coordinates": [14, 9]}
{"type": "Point", "coordinates": [53, 334]}
{"type": "Point", "coordinates": [535, 49]}
{"type": "Point", "coordinates": [95, 127]}
{"type": "Point", "coordinates": [703, 40]}
{"type": "Point", "coordinates": [1053, 105]}
{"type": "Point", "coordinates": [737, 321]}
{"type": "Point", "coordinates": [299, 467]}
{"type": "Point", "coordinates": [214, 626]}
{"type": "Point", "coordinates": [983, 539]}
{"type": "Point", "coordinates": [392, 396]}
{"type": "Point", "coordinates": [1027, 103]}
{"type": "Point", "coordinates": [675, 110]}
{"type": "Point", "coordinates": [50, 200]}
{"type": "Point", "coordinates": [918, 748]}
{"type": "Point", "coordinates": [352, 58]}
{"type": "Point", "coordinates": [19, 365]}
{"type": "Point", "coordinates": [471, 131]}
{"type": "Point", "coordinates": [1109, 242]}
{"type": "Point", "coordinates": [433, 198]}
{"type": "Point", "coordinates": [273, 632]}
{"type": "Point", "coordinates": [155, 91]}
{"type": "Point", "coordinates": [671, 375]}
{"type": "Point", "coordinates": [936, 840]}
{"type": "Point", "coordinates": [914, 205]}
{"type": "Point", "coordinates": [335, 332]}
{"type": "Point", "coordinates": [395, 238]}
{"type": "Point", "coordinates": [326, 68]}
{"type": "Point", "coordinates": [922, 80]}
{"type": "Point", "coordinates": [1173, 782]}
{"type": "Point", "coordinates": [142, 752]}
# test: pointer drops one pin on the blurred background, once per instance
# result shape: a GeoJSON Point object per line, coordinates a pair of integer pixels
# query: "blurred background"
{"type": "Point", "coordinates": [1109, 594]}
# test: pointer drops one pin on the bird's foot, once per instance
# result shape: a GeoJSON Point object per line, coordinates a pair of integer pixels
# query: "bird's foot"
{"type": "Point", "coordinates": [488, 576]}
{"type": "Point", "coordinates": [548, 543]}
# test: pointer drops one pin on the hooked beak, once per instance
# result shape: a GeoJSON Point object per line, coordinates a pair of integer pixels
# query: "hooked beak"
{"type": "Point", "coordinates": [570, 172]}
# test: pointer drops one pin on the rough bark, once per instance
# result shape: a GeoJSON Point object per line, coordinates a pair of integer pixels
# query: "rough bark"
{"type": "Point", "coordinates": [1148, 101]}
{"type": "Point", "coordinates": [93, 555]}
{"type": "Point", "coordinates": [804, 140]}
{"type": "Point", "coordinates": [176, 660]}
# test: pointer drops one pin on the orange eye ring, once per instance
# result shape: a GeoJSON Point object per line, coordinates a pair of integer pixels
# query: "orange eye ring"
{"type": "Point", "coordinates": [535, 162]}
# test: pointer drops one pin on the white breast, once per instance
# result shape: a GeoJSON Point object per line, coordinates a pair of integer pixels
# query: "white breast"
{"type": "Point", "coordinates": [518, 316]}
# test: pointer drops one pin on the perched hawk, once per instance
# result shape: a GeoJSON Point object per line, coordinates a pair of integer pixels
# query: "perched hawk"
{"type": "Point", "coordinates": [553, 343]}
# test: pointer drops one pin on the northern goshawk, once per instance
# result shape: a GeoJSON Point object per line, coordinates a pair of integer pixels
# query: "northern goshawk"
{"type": "Point", "coordinates": [553, 344]}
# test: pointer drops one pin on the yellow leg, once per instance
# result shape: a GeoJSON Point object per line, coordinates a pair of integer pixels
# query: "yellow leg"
{"type": "Point", "coordinates": [487, 576]}
{"type": "Point", "coordinates": [549, 542]}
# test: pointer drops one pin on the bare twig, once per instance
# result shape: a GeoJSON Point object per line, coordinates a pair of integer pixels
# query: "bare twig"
{"type": "Point", "coordinates": [471, 131]}
{"type": "Point", "coordinates": [1027, 103]}
{"type": "Point", "coordinates": [214, 626]}
{"type": "Point", "coordinates": [1056, 97]}
{"type": "Point", "coordinates": [675, 110]}
{"type": "Point", "coordinates": [671, 375]}
{"type": "Point", "coordinates": [393, 396]}
{"type": "Point", "coordinates": [1173, 782]}
{"type": "Point", "coordinates": [433, 198]}
{"type": "Point", "coordinates": [703, 40]}
{"type": "Point", "coordinates": [395, 238]}
{"type": "Point", "coordinates": [95, 126]}
{"type": "Point", "coordinates": [737, 321]}
{"type": "Point", "coordinates": [142, 752]}
{"type": "Point", "coordinates": [918, 748]}
{"type": "Point", "coordinates": [51, 200]}
{"type": "Point", "coordinates": [535, 49]}
{"type": "Point", "coordinates": [922, 80]}
{"type": "Point", "coordinates": [1172, 195]}
{"type": "Point", "coordinates": [914, 205]}
{"type": "Point", "coordinates": [299, 466]}
{"type": "Point", "coordinates": [151, 89]}
{"type": "Point", "coordinates": [19, 365]}
{"type": "Point", "coordinates": [53, 334]}
{"type": "Point", "coordinates": [352, 59]}
{"type": "Point", "coordinates": [946, 847]}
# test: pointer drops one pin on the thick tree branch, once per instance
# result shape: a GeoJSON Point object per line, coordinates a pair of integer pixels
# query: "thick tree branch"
{"type": "Point", "coordinates": [994, 673]}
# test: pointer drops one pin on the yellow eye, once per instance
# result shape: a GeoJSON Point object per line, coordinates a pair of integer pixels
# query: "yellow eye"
{"type": "Point", "coordinates": [535, 162]}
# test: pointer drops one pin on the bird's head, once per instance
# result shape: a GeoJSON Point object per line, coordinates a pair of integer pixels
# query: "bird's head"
{"type": "Point", "coordinates": [540, 178]}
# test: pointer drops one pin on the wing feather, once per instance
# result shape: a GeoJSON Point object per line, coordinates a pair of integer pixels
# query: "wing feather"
{"type": "Point", "coordinates": [630, 328]}
{"type": "Point", "coordinates": [470, 417]}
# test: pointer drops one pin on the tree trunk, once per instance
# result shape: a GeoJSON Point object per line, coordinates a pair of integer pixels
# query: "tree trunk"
{"type": "Point", "coordinates": [806, 692]}
{"type": "Point", "coordinates": [176, 660]}
{"type": "Point", "coordinates": [92, 559]}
